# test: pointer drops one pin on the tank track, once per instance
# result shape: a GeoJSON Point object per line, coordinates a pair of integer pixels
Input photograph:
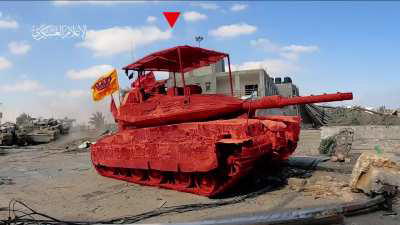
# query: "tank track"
{"type": "Point", "coordinates": [236, 159]}
{"type": "Point", "coordinates": [208, 184]}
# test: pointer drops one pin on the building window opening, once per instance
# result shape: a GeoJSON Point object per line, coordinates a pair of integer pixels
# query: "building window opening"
{"type": "Point", "coordinates": [208, 86]}
{"type": "Point", "coordinates": [249, 89]}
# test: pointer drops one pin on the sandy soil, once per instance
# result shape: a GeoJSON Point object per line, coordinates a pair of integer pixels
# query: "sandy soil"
{"type": "Point", "coordinates": [64, 185]}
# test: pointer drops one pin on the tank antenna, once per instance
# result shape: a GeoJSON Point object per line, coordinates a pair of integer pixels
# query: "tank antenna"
{"type": "Point", "coordinates": [199, 39]}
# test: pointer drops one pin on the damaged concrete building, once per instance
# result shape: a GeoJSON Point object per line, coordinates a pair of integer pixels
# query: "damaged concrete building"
{"type": "Point", "coordinates": [214, 79]}
{"type": "Point", "coordinates": [254, 83]}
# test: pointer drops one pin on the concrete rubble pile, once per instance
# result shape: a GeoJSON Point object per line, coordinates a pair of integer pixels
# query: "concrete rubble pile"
{"type": "Point", "coordinates": [357, 115]}
{"type": "Point", "coordinates": [327, 187]}
{"type": "Point", "coordinates": [30, 131]}
{"type": "Point", "coordinates": [338, 145]}
{"type": "Point", "coordinates": [376, 173]}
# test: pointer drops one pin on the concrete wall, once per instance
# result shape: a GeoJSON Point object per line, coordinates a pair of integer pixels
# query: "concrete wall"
{"type": "Point", "coordinates": [366, 137]}
{"type": "Point", "coordinates": [196, 79]}
{"type": "Point", "coordinates": [309, 141]}
{"type": "Point", "coordinates": [220, 83]}
{"type": "Point", "coordinates": [288, 89]}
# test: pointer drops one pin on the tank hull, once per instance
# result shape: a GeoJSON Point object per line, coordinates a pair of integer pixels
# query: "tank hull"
{"type": "Point", "coordinates": [204, 158]}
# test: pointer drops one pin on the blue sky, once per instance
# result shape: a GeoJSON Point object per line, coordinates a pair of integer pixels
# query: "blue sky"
{"type": "Point", "coordinates": [323, 46]}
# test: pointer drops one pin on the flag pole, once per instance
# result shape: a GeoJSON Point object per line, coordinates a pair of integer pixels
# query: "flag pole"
{"type": "Point", "coordinates": [119, 100]}
{"type": "Point", "coordinates": [119, 92]}
{"type": "Point", "coordinates": [119, 97]}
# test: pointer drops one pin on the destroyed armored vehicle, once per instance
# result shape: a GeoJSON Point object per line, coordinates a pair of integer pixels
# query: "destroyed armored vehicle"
{"type": "Point", "coordinates": [7, 134]}
{"type": "Point", "coordinates": [44, 131]}
{"type": "Point", "coordinates": [37, 131]}
{"type": "Point", "coordinates": [179, 138]}
{"type": "Point", "coordinates": [66, 125]}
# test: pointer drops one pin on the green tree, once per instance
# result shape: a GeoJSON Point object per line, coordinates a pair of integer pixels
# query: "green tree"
{"type": "Point", "coordinates": [23, 118]}
{"type": "Point", "coordinates": [97, 120]}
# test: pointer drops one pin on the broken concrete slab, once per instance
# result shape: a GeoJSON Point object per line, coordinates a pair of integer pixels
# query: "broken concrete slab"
{"type": "Point", "coordinates": [373, 173]}
{"type": "Point", "coordinates": [296, 184]}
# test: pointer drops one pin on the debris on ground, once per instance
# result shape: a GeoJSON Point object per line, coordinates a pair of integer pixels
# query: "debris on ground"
{"type": "Point", "coordinates": [338, 146]}
{"type": "Point", "coordinates": [357, 115]}
{"type": "Point", "coordinates": [83, 141]}
{"type": "Point", "coordinates": [328, 187]}
{"type": "Point", "coordinates": [85, 144]}
{"type": "Point", "coordinates": [6, 181]}
{"type": "Point", "coordinates": [373, 173]}
{"type": "Point", "coordinates": [296, 184]}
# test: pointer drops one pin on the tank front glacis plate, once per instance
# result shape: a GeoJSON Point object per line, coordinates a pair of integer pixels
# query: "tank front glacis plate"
{"type": "Point", "coordinates": [187, 147]}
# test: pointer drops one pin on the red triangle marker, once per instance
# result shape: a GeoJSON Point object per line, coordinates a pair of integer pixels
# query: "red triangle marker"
{"type": "Point", "coordinates": [171, 17]}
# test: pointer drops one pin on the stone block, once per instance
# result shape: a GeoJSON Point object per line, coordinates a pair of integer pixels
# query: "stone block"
{"type": "Point", "coordinates": [373, 172]}
{"type": "Point", "coordinates": [296, 184]}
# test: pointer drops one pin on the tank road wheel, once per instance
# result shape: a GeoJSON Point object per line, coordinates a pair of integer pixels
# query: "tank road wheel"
{"type": "Point", "coordinates": [137, 175]}
{"type": "Point", "coordinates": [105, 171]}
{"type": "Point", "coordinates": [233, 166]}
{"type": "Point", "coordinates": [207, 184]}
{"type": "Point", "coordinates": [155, 177]}
{"type": "Point", "coordinates": [183, 180]}
{"type": "Point", "coordinates": [117, 171]}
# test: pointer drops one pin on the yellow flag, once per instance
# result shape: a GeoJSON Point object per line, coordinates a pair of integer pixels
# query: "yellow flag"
{"type": "Point", "coordinates": [105, 85]}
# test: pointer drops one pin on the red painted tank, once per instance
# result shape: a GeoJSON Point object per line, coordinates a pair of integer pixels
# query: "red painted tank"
{"type": "Point", "coordinates": [184, 140]}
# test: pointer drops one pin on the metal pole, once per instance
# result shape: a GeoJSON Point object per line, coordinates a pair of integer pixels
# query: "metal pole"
{"type": "Point", "coordinates": [119, 97]}
{"type": "Point", "coordinates": [139, 73]}
{"type": "Point", "coordinates": [175, 85]}
{"type": "Point", "coordinates": [174, 80]}
{"type": "Point", "coordinates": [230, 75]}
{"type": "Point", "coordinates": [182, 74]}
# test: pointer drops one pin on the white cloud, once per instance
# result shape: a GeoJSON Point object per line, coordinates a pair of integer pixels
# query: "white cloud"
{"type": "Point", "coordinates": [76, 104]}
{"type": "Point", "coordinates": [47, 92]}
{"type": "Point", "coordinates": [238, 7]}
{"type": "Point", "coordinates": [4, 63]}
{"type": "Point", "coordinates": [151, 19]}
{"type": "Point", "coordinates": [77, 2]}
{"type": "Point", "coordinates": [88, 73]}
{"type": "Point", "coordinates": [301, 48]}
{"type": "Point", "coordinates": [22, 86]}
{"type": "Point", "coordinates": [193, 16]}
{"type": "Point", "coordinates": [43, 102]}
{"type": "Point", "coordinates": [64, 93]}
{"type": "Point", "coordinates": [233, 30]}
{"type": "Point", "coordinates": [8, 24]}
{"type": "Point", "coordinates": [19, 48]}
{"type": "Point", "coordinates": [206, 5]}
{"type": "Point", "coordinates": [117, 40]}
{"type": "Point", "coordinates": [274, 67]}
{"type": "Point", "coordinates": [74, 93]}
{"type": "Point", "coordinates": [290, 52]}
{"type": "Point", "coordinates": [286, 57]}
{"type": "Point", "coordinates": [265, 44]}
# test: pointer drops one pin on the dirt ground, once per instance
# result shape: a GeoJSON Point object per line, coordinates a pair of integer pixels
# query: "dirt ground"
{"type": "Point", "coordinates": [63, 184]}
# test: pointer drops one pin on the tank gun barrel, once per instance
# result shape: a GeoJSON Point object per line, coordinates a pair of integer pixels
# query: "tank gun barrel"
{"type": "Point", "coordinates": [277, 101]}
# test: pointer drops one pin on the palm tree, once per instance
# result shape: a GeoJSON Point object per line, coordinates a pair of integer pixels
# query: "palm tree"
{"type": "Point", "coordinates": [23, 118]}
{"type": "Point", "coordinates": [97, 120]}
